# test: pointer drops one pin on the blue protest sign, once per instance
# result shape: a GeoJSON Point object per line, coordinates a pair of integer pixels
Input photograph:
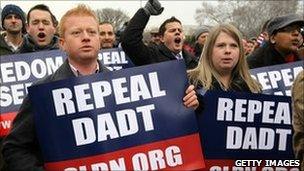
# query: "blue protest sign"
{"type": "Point", "coordinates": [133, 117]}
{"type": "Point", "coordinates": [251, 126]}
{"type": "Point", "coordinates": [277, 79]}
{"type": "Point", "coordinates": [115, 59]}
{"type": "Point", "coordinates": [242, 126]}
{"type": "Point", "coordinates": [19, 71]}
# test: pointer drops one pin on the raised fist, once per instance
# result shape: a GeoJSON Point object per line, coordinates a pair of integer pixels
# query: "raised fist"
{"type": "Point", "coordinates": [153, 7]}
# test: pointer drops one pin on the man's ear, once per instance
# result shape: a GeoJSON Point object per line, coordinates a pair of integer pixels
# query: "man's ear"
{"type": "Point", "coordinates": [162, 38]}
{"type": "Point", "coordinates": [62, 44]}
{"type": "Point", "coordinates": [272, 39]}
{"type": "Point", "coordinates": [27, 27]}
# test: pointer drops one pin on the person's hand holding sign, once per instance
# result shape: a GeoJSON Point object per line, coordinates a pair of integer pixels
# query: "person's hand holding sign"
{"type": "Point", "coordinates": [190, 100]}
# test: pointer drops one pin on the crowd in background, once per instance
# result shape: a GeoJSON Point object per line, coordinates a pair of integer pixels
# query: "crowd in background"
{"type": "Point", "coordinates": [109, 35]}
{"type": "Point", "coordinates": [219, 58]}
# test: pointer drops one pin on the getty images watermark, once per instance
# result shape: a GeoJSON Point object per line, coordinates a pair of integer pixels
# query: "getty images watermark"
{"type": "Point", "coordinates": [267, 163]}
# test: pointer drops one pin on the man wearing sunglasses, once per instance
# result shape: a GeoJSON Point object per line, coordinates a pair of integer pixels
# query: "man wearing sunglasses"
{"type": "Point", "coordinates": [284, 40]}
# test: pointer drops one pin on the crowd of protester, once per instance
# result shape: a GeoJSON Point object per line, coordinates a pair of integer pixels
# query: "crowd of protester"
{"type": "Point", "coordinates": [220, 59]}
{"type": "Point", "coordinates": [21, 33]}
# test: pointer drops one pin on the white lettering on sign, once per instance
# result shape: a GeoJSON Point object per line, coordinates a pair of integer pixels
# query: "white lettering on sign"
{"type": "Point", "coordinates": [154, 159]}
{"type": "Point", "coordinates": [242, 110]}
{"type": "Point", "coordinates": [21, 71]}
{"type": "Point", "coordinates": [127, 119]}
{"type": "Point", "coordinates": [256, 138]}
{"type": "Point", "coordinates": [139, 89]}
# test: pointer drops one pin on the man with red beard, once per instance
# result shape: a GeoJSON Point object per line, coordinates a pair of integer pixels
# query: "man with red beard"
{"type": "Point", "coordinates": [41, 29]}
{"type": "Point", "coordinates": [284, 38]}
{"type": "Point", "coordinates": [172, 39]}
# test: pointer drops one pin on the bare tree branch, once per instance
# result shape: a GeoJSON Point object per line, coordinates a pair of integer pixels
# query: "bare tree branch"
{"type": "Point", "coordinates": [116, 17]}
{"type": "Point", "coordinates": [248, 16]}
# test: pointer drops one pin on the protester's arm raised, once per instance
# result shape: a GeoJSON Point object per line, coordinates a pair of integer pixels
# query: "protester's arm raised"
{"type": "Point", "coordinates": [153, 7]}
{"type": "Point", "coordinates": [132, 38]}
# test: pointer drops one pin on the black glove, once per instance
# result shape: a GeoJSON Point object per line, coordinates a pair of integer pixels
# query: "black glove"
{"type": "Point", "coordinates": [153, 7]}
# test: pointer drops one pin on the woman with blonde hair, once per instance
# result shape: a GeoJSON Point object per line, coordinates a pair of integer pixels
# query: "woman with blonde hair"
{"type": "Point", "coordinates": [222, 65]}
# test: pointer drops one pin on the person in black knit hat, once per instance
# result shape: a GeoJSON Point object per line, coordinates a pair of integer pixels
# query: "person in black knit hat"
{"type": "Point", "coordinates": [13, 22]}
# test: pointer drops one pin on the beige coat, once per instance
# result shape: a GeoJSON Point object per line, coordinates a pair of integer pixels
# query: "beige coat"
{"type": "Point", "coordinates": [298, 117]}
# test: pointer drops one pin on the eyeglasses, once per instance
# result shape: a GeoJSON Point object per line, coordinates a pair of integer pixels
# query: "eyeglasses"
{"type": "Point", "coordinates": [290, 29]}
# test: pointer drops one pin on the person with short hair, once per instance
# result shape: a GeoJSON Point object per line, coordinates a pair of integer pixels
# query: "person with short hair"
{"type": "Point", "coordinates": [154, 37]}
{"type": "Point", "coordinates": [107, 35]}
{"type": "Point", "coordinates": [79, 38]}
{"type": "Point", "coordinates": [248, 46]}
{"type": "Point", "coordinates": [41, 29]}
{"type": "Point", "coordinates": [284, 38]}
{"type": "Point", "coordinates": [200, 36]}
{"type": "Point", "coordinates": [171, 36]}
{"type": "Point", "coordinates": [13, 22]}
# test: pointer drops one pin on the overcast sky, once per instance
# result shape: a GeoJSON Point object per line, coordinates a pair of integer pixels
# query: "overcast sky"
{"type": "Point", "coordinates": [183, 10]}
